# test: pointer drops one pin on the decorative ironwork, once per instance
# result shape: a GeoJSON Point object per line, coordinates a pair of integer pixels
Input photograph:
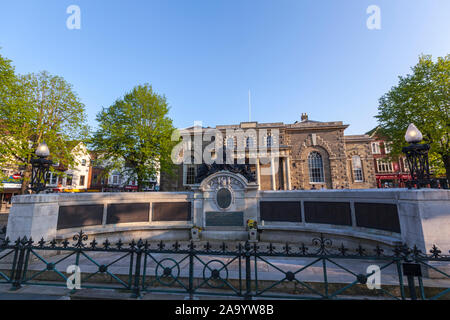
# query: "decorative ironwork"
{"type": "Point", "coordinates": [323, 244]}
{"type": "Point", "coordinates": [205, 170]}
{"type": "Point", "coordinates": [221, 269]}
{"type": "Point", "coordinates": [419, 167]}
{"type": "Point", "coordinates": [39, 174]}
{"type": "Point", "coordinates": [80, 238]}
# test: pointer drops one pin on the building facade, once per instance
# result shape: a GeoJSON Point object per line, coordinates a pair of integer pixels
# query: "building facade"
{"type": "Point", "coordinates": [309, 155]}
{"type": "Point", "coordinates": [389, 172]}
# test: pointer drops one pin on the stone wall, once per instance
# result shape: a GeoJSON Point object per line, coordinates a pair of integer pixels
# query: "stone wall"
{"type": "Point", "coordinates": [384, 216]}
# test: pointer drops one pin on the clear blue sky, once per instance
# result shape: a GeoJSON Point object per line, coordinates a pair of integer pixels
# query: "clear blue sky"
{"type": "Point", "coordinates": [295, 55]}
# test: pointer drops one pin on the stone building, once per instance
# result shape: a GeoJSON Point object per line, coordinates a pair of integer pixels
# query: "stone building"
{"type": "Point", "coordinates": [309, 155]}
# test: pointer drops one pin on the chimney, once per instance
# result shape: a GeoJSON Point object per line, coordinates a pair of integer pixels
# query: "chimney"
{"type": "Point", "coordinates": [304, 117]}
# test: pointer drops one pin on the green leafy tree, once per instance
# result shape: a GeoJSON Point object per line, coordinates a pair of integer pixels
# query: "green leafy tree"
{"type": "Point", "coordinates": [134, 134]}
{"type": "Point", "coordinates": [8, 82]}
{"type": "Point", "coordinates": [41, 108]}
{"type": "Point", "coordinates": [422, 98]}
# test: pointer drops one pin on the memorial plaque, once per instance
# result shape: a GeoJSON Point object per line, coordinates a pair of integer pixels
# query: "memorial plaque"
{"type": "Point", "coordinates": [128, 212]}
{"type": "Point", "coordinates": [171, 211]}
{"type": "Point", "coordinates": [79, 216]}
{"type": "Point", "coordinates": [281, 211]}
{"type": "Point", "coordinates": [382, 216]}
{"type": "Point", "coordinates": [224, 198]}
{"type": "Point", "coordinates": [337, 213]}
{"type": "Point", "coordinates": [224, 219]}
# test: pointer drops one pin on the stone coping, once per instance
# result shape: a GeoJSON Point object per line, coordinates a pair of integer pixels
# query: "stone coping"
{"type": "Point", "coordinates": [103, 196]}
{"type": "Point", "coordinates": [390, 195]}
{"type": "Point", "coordinates": [361, 194]}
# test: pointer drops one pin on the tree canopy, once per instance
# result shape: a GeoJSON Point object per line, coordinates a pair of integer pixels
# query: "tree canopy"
{"type": "Point", "coordinates": [134, 134]}
{"type": "Point", "coordinates": [422, 98]}
{"type": "Point", "coordinates": [8, 81]}
{"type": "Point", "coordinates": [41, 107]}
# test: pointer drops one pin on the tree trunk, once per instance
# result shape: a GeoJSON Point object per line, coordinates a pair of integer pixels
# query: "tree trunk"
{"type": "Point", "coordinates": [26, 179]}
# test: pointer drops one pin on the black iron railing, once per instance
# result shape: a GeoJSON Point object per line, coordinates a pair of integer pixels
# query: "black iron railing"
{"type": "Point", "coordinates": [246, 270]}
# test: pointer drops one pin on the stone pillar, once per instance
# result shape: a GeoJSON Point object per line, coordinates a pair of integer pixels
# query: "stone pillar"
{"type": "Point", "coordinates": [288, 172]}
{"type": "Point", "coordinates": [283, 170]}
{"type": "Point", "coordinates": [258, 173]}
{"type": "Point", "coordinates": [272, 168]}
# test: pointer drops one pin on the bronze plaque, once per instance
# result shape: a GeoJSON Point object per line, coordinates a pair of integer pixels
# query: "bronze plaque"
{"type": "Point", "coordinates": [171, 211]}
{"type": "Point", "coordinates": [127, 213]}
{"type": "Point", "coordinates": [282, 211]}
{"type": "Point", "coordinates": [224, 219]}
{"type": "Point", "coordinates": [337, 213]}
{"type": "Point", "coordinates": [380, 216]}
{"type": "Point", "coordinates": [79, 216]}
{"type": "Point", "coordinates": [224, 198]}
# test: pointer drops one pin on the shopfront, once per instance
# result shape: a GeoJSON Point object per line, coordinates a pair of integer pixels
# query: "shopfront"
{"type": "Point", "coordinates": [392, 180]}
{"type": "Point", "coordinates": [9, 188]}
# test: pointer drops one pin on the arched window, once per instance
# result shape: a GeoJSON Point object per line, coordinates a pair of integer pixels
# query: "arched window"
{"type": "Point", "coordinates": [230, 143]}
{"type": "Point", "coordinates": [315, 164]}
{"type": "Point", "coordinates": [269, 141]}
{"type": "Point", "coordinates": [357, 169]}
{"type": "Point", "coordinates": [249, 143]}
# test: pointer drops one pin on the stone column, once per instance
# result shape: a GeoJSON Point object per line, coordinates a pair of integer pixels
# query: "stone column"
{"type": "Point", "coordinates": [272, 168]}
{"type": "Point", "coordinates": [258, 173]}
{"type": "Point", "coordinates": [283, 170]}
{"type": "Point", "coordinates": [288, 172]}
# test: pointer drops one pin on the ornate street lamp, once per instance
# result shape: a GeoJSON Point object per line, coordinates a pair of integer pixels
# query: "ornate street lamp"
{"type": "Point", "coordinates": [417, 159]}
{"type": "Point", "coordinates": [40, 168]}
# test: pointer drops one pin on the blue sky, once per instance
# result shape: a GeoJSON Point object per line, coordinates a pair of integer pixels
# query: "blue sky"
{"type": "Point", "coordinates": [296, 56]}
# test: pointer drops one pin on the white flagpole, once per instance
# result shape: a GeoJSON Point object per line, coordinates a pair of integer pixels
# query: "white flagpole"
{"type": "Point", "coordinates": [249, 106]}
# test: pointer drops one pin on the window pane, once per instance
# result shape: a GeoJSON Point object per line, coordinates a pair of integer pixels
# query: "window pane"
{"type": "Point", "coordinates": [357, 169]}
{"type": "Point", "coordinates": [269, 141]}
{"type": "Point", "coordinates": [315, 164]}
{"type": "Point", "coordinates": [190, 174]}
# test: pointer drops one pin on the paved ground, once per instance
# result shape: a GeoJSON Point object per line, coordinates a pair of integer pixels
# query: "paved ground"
{"type": "Point", "coordinates": [54, 293]}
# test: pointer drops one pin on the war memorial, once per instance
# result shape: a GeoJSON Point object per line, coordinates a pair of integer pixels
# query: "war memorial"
{"type": "Point", "coordinates": [227, 237]}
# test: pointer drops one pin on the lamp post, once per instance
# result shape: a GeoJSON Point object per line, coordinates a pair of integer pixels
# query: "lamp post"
{"type": "Point", "coordinates": [40, 168]}
{"type": "Point", "coordinates": [417, 159]}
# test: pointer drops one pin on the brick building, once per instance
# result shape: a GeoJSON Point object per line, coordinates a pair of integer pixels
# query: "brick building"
{"type": "Point", "coordinates": [389, 172]}
{"type": "Point", "coordinates": [310, 155]}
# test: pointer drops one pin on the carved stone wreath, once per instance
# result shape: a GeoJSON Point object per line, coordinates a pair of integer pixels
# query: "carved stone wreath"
{"type": "Point", "coordinates": [224, 182]}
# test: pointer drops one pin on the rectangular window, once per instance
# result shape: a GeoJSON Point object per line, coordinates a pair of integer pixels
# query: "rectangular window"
{"type": "Point", "coordinates": [387, 148]}
{"type": "Point", "coordinates": [115, 179]}
{"type": "Point", "coordinates": [83, 162]}
{"type": "Point", "coordinates": [82, 181]}
{"type": "Point", "coordinates": [52, 178]}
{"type": "Point", "coordinates": [384, 166]}
{"type": "Point", "coordinates": [376, 148]}
{"type": "Point", "coordinates": [69, 179]}
{"type": "Point", "coordinates": [191, 172]}
{"type": "Point", "coordinates": [357, 169]}
{"type": "Point", "coordinates": [405, 165]}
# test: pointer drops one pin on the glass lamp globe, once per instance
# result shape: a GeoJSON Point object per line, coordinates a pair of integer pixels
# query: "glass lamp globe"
{"type": "Point", "coordinates": [413, 135]}
{"type": "Point", "coordinates": [42, 150]}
